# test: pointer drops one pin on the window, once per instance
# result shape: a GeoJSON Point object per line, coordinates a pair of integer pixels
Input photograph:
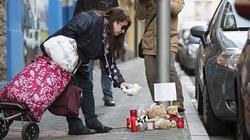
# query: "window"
{"type": "Point", "coordinates": [228, 21]}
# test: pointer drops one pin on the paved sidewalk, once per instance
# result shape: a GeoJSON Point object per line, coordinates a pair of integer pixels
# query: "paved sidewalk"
{"type": "Point", "coordinates": [55, 127]}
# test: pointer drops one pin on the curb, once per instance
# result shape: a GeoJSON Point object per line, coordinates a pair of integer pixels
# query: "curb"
{"type": "Point", "coordinates": [196, 128]}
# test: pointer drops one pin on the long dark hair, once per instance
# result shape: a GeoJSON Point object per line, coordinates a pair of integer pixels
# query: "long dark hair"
{"type": "Point", "coordinates": [116, 43]}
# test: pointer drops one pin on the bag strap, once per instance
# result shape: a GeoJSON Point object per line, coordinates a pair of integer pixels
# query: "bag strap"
{"type": "Point", "coordinates": [79, 64]}
{"type": "Point", "coordinates": [150, 22]}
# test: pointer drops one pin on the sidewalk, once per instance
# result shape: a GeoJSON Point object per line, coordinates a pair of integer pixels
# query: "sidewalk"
{"type": "Point", "coordinates": [55, 127]}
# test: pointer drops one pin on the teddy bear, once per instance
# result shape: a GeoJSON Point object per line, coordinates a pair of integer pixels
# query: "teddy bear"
{"type": "Point", "coordinates": [172, 110]}
{"type": "Point", "coordinates": [156, 111]}
{"type": "Point", "coordinates": [164, 124]}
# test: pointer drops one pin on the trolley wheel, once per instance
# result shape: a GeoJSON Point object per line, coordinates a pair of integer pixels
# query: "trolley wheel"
{"type": "Point", "coordinates": [30, 131]}
{"type": "Point", "coordinates": [4, 128]}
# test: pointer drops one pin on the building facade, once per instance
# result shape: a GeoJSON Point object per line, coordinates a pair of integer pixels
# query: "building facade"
{"type": "Point", "coordinates": [197, 12]}
{"type": "Point", "coordinates": [24, 25]}
{"type": "Point", "coordinates": [3, 68]}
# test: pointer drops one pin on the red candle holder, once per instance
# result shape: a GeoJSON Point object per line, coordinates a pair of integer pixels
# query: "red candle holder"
{"type": "Point", "coordinates": [133, 113]}
{"type": "Point", "coordinates": [133, 120]}
{"type": "Point", "coordinates": [180, 122]}
{"type": "Point", "coordinates": [134, 124]}
{"type": "Point", "coordinates": [128, 122]}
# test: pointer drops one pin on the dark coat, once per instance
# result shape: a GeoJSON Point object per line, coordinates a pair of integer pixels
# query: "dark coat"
{"type": "Point", "coordinates": [87, 29]}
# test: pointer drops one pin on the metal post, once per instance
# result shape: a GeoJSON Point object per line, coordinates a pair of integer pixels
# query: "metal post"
{"type": "Point", "coordinates": [163, 40]}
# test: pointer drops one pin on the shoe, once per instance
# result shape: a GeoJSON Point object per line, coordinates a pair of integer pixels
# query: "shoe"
{"type": "Point", "coordinates": [100, 128]}
{"type": "Point", "coordinates": [180, 106]}
{"type": "Point", "coordinates": [83, 131]}
{"type": "Point", "coordinates": [109, 103]}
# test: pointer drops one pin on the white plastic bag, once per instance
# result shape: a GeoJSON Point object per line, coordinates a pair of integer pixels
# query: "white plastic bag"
{"type": "Point", "coordinates": [62, 50]}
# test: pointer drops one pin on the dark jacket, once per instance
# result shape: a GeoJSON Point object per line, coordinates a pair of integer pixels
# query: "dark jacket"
{"type": "Point", "coordinates": [87, 29]}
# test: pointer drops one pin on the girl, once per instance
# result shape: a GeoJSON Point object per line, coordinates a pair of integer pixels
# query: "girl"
{"type": "Point", "coordinates": [98, 36]}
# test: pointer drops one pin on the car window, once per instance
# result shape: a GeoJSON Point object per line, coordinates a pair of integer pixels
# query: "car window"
{"type": "Point", "coordinates": [211, 23]}
{"type": "Point", "coordinates": [231, 20]}
{"type": "Point", "coordinates": [228, 19]}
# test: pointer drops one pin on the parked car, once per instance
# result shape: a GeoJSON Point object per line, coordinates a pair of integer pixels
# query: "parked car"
{"type": "Point", "coordinates": [189, 54]}
{"type": "Point", "coordinates": [188, 45]}
{"type": "Point", "coordinates": [180, 44]}
{"type": "Point", "coordinates": [243, 93]}
{"type": "Point", "coordinates": [243, 79]}
{"type": "Point", "coordinates": [183, 35]}
{"type": "Point", "coordinates": [222, 43]}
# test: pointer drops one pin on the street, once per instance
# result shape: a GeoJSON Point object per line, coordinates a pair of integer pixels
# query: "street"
{"type": "Point", "coordinates": [55, 127]}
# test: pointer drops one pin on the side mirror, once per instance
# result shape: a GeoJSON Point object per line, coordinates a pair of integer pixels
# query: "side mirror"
{"type": "Point", "coordinates": [243, 8]}
{"type": "Point", "coordinates": [200, 32]}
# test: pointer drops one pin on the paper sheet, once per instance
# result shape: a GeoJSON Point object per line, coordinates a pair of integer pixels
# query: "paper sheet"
{"type": "Point", "coordinates": [165, 91]}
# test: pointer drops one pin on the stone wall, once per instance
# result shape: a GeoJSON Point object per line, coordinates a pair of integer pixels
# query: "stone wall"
{"type": "Point", "coordinates": [3, 36]}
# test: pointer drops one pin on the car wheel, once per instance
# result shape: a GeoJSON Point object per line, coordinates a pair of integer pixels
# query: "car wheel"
{"type": "Point", "coordinates": [213, 125]}
{"type": "Point", "coordinates": [241, 133]}
{"type": "Point", "coordinates": [199, 98]}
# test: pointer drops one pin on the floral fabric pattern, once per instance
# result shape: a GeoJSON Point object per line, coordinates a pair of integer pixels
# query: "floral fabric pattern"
{"type": "Point", "coordinates": [37, 86]}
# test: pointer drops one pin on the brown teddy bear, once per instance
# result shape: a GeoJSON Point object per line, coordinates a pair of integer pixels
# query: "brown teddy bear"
{"type": "Point", "coordinates": [156, 111]}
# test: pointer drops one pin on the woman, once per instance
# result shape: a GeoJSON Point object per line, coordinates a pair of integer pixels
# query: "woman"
{"type": "Point", "coordinates": [98, 36]}
{"type": "Point", "coordinates": [99, 5]}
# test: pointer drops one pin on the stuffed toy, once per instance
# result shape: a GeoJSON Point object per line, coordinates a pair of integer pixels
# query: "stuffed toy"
{"type": "Point", "coordinates": [172, 110]}
{"type": "Point", "coordinates": [156, 111]}
{"type": "Point", "coordinates": [173, 123]}
{"type": "Point", "coordinates": [165, 124]}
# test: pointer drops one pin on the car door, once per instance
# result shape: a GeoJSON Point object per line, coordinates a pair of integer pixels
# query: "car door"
{"type": "Point", "coordinates": [202, 56]}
